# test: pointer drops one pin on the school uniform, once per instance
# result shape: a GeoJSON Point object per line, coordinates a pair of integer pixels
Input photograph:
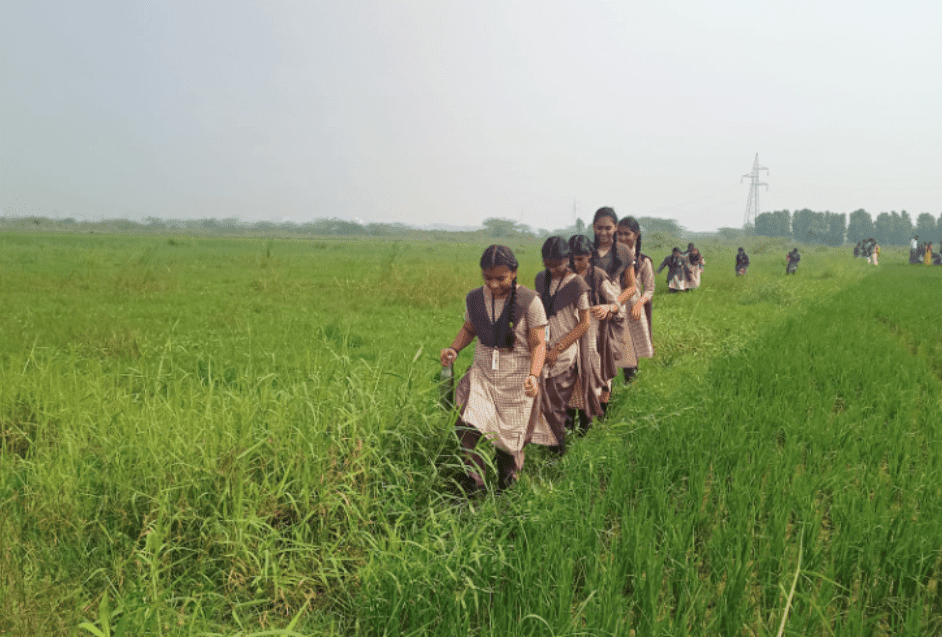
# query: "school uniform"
{"type": "Point", "coordinates": [676, 271]}
{"type": "Point", "coordinates": [636, 334]}
{"type": "Point", "coordinates": [590, 382]}
{"type": "Point", "coordinates": [491, 394]}
{"type": "Point", "coordinates": [568, 297]}
{"type": "Point", "coordinates": [742, 262]}
{"type": "Point", "coordinates": [793, 259]}
{"type": "Point", "coordinates": [613, 347]}
{"type": "Point", "coordinates": [695, 265]}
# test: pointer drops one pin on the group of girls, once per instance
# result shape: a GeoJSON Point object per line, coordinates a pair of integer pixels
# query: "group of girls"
{"type": "Point", "coordinates": [868, 249]}
{"type": "Point", "coordinates": [546, 357]}
{"type": "Point", "coordinates": [683, 269]}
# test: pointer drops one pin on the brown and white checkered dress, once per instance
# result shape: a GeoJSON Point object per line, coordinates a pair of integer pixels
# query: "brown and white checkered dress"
{"type": "Point", "coordinates": [494, 401]}
{"type": "Point", "coordinates": [636, 336]}
{"type": "Point", "coordinates": [606, 295]}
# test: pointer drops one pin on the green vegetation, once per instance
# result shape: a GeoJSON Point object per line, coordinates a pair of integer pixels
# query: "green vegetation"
{"type": "Point", "coordinates": [240, 436]}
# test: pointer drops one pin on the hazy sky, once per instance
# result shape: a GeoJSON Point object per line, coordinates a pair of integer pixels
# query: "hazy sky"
{"type": "Point", "coordinates": [452, 112]}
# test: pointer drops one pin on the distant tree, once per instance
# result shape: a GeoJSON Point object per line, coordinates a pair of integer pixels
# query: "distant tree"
{"type": "Point", "coordinates": [883, 229]}
{"type": "Point", "coordinates": [926, 227]}
{"type": "Point", "coordinates": [731, 233]}
{"type": "Point", "coordinates": [764, 225]}
{"type": "Point", "coordinates": [902, 228]}
{"type": "Point", "coordinates": [501, 227]}
{"type": "Point", "coordinates": [809, 226]}
{"type": "Point", "coordinates": [664, 226]}
{"type": "Point", "coordinates": [580, 226]}
{"type": "Point", "coordinates": [860, 226]}
{"type": "Point", "coordinates": [542, 233]}
{"type": "Point", "coordinates": [837, 227]}
{"type": "Point", "coordinates": [774, 224]}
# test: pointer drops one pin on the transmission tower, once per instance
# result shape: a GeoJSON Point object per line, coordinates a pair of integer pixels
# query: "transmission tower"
{"type": "Point", "coordinates": [752, 204]}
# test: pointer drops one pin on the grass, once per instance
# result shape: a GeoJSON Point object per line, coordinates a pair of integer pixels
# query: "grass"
{"type": "Point", "coordinates": [206, 436]}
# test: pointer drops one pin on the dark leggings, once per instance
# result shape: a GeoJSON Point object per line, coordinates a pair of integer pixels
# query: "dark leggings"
{"type": "Point", "coordinates": [468, 438]}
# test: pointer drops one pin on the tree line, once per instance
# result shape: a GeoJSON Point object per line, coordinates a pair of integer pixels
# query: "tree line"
{"type": "Point", "coordinates": [889, 228]}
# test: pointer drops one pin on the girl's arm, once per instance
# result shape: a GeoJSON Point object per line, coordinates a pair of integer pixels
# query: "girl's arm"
{"type": "Point", "coordinates": [536, 340]}
{"type": "Point", "coordinates": [569, 338]}
{"type": "Point", "coordinates": [631, 288]}
{"type": "Point", "coordinates": [465, 335]}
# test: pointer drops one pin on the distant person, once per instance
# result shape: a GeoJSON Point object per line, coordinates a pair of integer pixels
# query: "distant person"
{"type": "Point", "coordinates": [742, 262]}
{"type": "Point", "coordinates": [499, 396]}
{"type": "Point", "coordinates": [793, 259]}
{"type": "Point", "coordinates": [676, 266]}
{"type": "Point", "coordinates": [914, 250]}
{"type": "Point", "coordinates": [928, 257]}
{"type": "Point", "coordinates": [857, 250]}
{"type": "Point", "coordinates": [695, 263]}
{"type": "Point", "coordinates": [638, 342]}
{"type": "Point", "coordinates": [876, 253]}
{"type": "Point", "coordinates": [868, 246]}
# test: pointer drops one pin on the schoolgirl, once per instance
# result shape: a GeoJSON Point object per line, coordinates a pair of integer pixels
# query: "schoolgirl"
{"type": "Point", "coordinates": [676, 266]}
{"type": "Point", "coordinates": [742, 262]}
{"type": "Point", "coordinates": [499, 396]}
{"type": "Point", "coordinates": [638, 342]}
{"type": "Point", "coordinates": [793, 259]}
{"type": "Point", "coordinates": [566, 304]}
{"type": "Point", "coordinates": [695, 263]}
{"type": "Point", "coordinates": [614, 258]}
{"type": "Point", "coordinates": [595, 344]}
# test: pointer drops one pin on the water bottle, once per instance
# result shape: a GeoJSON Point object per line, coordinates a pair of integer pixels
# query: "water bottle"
{"type": "Point", "coordinates": [446, 387]}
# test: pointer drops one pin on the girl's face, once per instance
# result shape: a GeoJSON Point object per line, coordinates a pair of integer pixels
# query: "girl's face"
{"type": "Point", "coordinates": [557, 267]}
{"type": "Point", "coordinates": [582, 262]}
{"type": "Point", "coordinates": [499, 280]}
{"type": "Point", "coordinates": [604, 229]}
{"type": "Point", "coordinates": [626, 236]}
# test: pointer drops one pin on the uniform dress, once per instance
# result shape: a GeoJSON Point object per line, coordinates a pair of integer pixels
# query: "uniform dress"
{"type": "Point", "coordinates": [695, 265]}
{"type": "Point", "coordinates": [636, 334]}
{"type": "Point", "coordinates": [494, 401]}
{"type": "Point", "coordinates": [612, 348]}
{"type": "Point", "coordinates": [676, 271]}
{"type": "Point", "coordinates": [559, 380]}
{"type": "Point", "coordinates": [742, 262]}
{"type": "Point", "coordinates": [604, 294]}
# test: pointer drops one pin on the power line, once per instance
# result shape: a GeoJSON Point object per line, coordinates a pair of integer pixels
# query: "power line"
{"type": "Point", "coordinates": [752, 204]}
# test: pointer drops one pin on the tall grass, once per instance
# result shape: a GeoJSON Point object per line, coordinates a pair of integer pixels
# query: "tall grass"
{"type": "Point", "coordinates": [232, 436]}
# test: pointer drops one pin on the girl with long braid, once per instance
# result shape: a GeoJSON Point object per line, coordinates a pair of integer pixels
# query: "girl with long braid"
{"type": "Point", "coordinates": [566, 302]}
{"type": "Point", "coordinates": [595, 343]}
{"type": "Point", "coordinates": [499, 397]}
{"type": "Point", "coordinates": [614, 258]}
{"type": "Point", "coordinates": [638, 342]}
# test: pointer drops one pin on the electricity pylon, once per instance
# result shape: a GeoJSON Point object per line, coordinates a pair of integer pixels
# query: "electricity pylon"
{"type": "Point", "coordinates": [752, 204]}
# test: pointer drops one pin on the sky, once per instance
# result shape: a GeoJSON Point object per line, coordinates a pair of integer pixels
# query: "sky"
{"type": "Point", "coordinates": [453, 112]}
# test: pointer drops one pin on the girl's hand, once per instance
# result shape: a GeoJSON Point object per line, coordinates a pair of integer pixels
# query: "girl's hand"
{"type": "Point", "coordinates": [531, 386]}
{"type": "Point", "coordinates": [551, 356]}
{"type": "Point", "coordinates": [601, 311]}
{"type": "Point", "coordinates": [448, 356]}
{"type": "Point", "coordinates": [636, 311]}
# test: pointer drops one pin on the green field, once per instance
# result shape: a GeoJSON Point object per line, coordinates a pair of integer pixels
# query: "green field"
{"type": "Point", "coordinates": [207, 436]}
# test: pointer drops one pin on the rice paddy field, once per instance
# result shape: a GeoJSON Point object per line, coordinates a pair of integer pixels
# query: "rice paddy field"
{"type": "Point", "coordinates": [207, 436]}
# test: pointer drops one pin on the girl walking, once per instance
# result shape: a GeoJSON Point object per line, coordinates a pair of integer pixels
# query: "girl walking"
{"type": "Point", "coordinates": [695, 263]}
{"type": "Point", "coordinates": [595, 345]}
{"type": "Point", "coordinates": [638, 342]}
{"type": "Point", "coordinates": [676, 266]}
{"type": "Point", "coordinates": [742, 262]}
{"type": "Point", "coordinates": [566, 303]}
{"type": "Point", "coordinates": [499, 396]}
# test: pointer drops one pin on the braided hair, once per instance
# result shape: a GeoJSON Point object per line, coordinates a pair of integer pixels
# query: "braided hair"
{"type": "Point", "coordinates": [601, 213]}
{"type": "Point", "coordinates": [632, 224]}
{"type": "Point", "coordinates": [554, 249]}
{"type": "Point", "coordinates": [580, 245]}
{"type": "Point", "coordinates": [496, 256]}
